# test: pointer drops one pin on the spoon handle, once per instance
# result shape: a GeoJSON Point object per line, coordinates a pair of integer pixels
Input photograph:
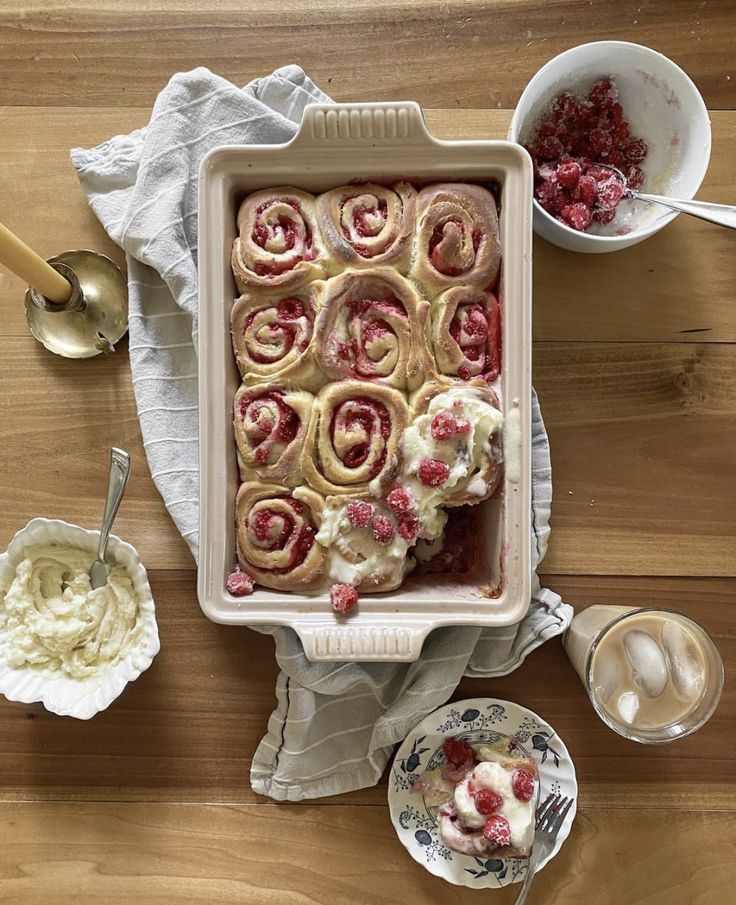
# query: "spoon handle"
{"type": "Point", "coordinates": [722, 214]}
{"type": "Point", "coordinates": [116, 483]}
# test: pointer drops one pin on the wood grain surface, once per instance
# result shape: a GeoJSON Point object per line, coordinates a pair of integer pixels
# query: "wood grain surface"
{"type": "Point", "coordinates": [635, 366]}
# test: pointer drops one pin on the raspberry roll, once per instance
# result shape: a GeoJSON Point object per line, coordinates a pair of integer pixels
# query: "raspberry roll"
{"type": "Point", "coordinates": [278, 244]}
{"type": "Point", "coordinates": [275, 529]}
{"type": "Point", "coordinates": [272, 336]}
{"type": "Point", "coordinates": [367, 225]}
{"type": "Point", "coordinates": [353, 436]}
{"type": "Point", "coordinates": [367, 542]}
{"type": "Point", "coordinates": [466, 334]}
{"type": "Point", "coordinates": [451, 452]}
{"type": "Point", "coordinates": [271, 422]}
{"type": "Point", "coordinates": [373, 326]}
{"type": "Point", "coordinates": [456, 237]}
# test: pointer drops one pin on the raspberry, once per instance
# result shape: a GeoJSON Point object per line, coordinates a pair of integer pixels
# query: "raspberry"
{"type": "Point", "coordinates": [568, 174]}
{"type": "Point", "coordinates": [343, 598]}
{"type": "Point", "coordinates": [549, 148]}
{"type": "Point", "coordinates": [634, 177]}
{"type": "Point", "coordinates": [523, 784]}
{"type": "Point", "coordinates": [458, 752]}
{"type": "Point", "coordinates": [616, 158]}
{"type": "Point", "coordinates": [603, 92]}
{"type": "Point", "coordinates": [577, 215]}
{"type": "Point", "coordinates": [400, 500]}
{"type": "Point", "coordinates": [604, 217]}
{"type": "Point", "coordinates": [609, 193]}
{"type": "Point", "coordinates": [550, 130]}
{"type": "Point", "coordinates": [383, 530]}
{"type": "Point", "coordinates": [600, 141]}
{"type": "Point", "coordinates": [360, 513]}
{"type": "Point", "coordinates": [463, 372]}
{"type": "Point", "coordinates": [445, 426]}
{"type": "Point", "coordinates": [408, 526]}
{"type": "Point", "coordinates": [586, 190]}
{"type": "Point", "coordinates": [621, 134]}
{"type": "Point", "coordinates": [487, 801]}
{"type": "Point", "coordinates": [565, 107]}
{"type": "Point", "coordinates": [497, 830]}
{"type": "Point", "coordinates": [432, 472]}
{"type": "Point", "coordinates": [239, 584]}
{"type": "Point", "coordinates": [635, 151]}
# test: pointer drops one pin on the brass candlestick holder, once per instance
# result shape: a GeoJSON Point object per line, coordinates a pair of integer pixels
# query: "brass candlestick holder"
{"type": "Point", "coordinates": [77, 302]}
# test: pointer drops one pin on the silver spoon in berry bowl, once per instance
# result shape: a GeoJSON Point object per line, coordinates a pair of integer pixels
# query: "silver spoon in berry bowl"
{"type": "Point", "coordinates": [720, 214]}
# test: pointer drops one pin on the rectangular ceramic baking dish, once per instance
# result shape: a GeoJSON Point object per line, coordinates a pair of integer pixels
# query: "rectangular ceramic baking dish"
{"type": "Point", "coordinates": [338, 144]}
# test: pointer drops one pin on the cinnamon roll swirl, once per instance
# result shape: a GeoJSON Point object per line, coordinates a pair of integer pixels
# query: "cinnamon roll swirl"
{"type": "Point", "coordinates": [353, 436]}
{"type": "Point", "coordinates": [465, 333]}
{"type": "Point", "coordinates": [456, 237]}
{"type": "Point", "coordinates": [367, 225]}
{"type": "Point", "coordinates": [275, 529]}
{"type": "Point", "coordinates": [278, 244]}
{"type": "Point", "coordinates": [373, 326]}
{"type": "Point", "coordinates": [271, 422]}
{"type": "Point", "coordinates": [272, 336]}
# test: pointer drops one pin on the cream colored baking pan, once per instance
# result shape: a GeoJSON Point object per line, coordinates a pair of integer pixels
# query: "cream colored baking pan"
{"type": "Point", "coordinates": [335, 145]}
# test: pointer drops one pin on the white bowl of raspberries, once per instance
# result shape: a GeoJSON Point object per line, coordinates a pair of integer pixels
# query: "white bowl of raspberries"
{"type": "Point", "coordinates": [614, 103]}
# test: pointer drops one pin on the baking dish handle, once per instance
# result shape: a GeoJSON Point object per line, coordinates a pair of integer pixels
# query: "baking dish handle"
{"type": "Point", "coordinates": [389, 643]}
{"type": "Point", "coordinates": [361, 125]}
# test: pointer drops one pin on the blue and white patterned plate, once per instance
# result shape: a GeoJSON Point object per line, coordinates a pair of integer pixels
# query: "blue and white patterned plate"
{"type": "Point", "coordinates": [476, 720]}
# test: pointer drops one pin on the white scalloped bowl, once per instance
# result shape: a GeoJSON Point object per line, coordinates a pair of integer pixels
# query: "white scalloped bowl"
{"type": "Point", "coordinates": [59, 693]}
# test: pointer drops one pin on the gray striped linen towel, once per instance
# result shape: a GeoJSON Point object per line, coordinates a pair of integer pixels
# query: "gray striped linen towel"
{"type": "Point", "coordinates": [335, 724]}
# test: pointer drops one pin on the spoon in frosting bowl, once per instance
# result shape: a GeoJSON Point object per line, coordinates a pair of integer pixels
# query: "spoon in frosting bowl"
{"type": "Point", "coordinates": [720, 214]}
{"type": "Point", "coordinates": [116, 483]}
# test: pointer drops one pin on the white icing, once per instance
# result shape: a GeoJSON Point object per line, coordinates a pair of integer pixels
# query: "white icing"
{"type": "Point", "coordinates": [51, 618]}
{"type": "Point", "coordinates": [355, 554]}
{"type": "Point", "coordinates": [520, 814]}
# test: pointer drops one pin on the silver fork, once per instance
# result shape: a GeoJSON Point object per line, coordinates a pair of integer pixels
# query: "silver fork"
{"type": "Point", "coordinates": [550, 816]}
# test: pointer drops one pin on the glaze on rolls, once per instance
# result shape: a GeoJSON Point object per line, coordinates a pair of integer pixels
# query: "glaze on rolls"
{"type": "Point", "coordinates": [278, 243]}
{"type": "Point", "coordinates": [353, 436]}
{"type": "Point", "coordinates": [271, 422]}
{"type": "Point", "coordinates": [367, 225]}
{"type": "Point", "coordinates": [272, 336]}
{"type": "Point", "coordinates": [456, 430]}
{"type": "Point", "coordinates": [275, 529]}
{"type": "Point", "coordinates": [373, 326]}
{"type": "Point", "coordinates": [456, 237]}
{"type": "Point", "coordinates": [465, 332]}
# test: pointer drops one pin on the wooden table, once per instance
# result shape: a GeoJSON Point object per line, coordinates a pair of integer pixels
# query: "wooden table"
{"type": "Point", "coordinates": [635, 365]}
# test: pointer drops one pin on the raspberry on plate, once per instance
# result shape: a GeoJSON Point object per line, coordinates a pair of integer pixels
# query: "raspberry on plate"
{"type": "Point", "coordinates": [383, 530]}
{"type": "Point", "coordinates": [523, 784]}
{"type": "Point", "coordinates": [239, 584]}
{"type": "Point", "coordinates": [360, 513]}
{"type": "Point", "coordinates": [457, 751]}
{"type": "Point", "coordinates": [497, 830]}
{"type": "Point", "coordinates": [487, 801]}
{"type": "Point", "coordinates": [343, 598]}
{"type": "Point", "coordinates": [432, 472]}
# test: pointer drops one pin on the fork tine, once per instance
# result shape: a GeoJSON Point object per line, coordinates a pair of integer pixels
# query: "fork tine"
{"type": "Point", "coordinates": [552, 814]}
{"type": "Point", "coordinates": [560, 817]}
{"type": "Point", "coordinates": [546, 807]}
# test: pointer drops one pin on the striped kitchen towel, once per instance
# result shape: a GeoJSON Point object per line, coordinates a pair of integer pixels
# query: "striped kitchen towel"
{"type": "Point", "coordinates": [335, 724]}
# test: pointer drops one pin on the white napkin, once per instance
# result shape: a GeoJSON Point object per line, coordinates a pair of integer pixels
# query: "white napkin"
{"type": "Point", "coordinates": [335, 723]}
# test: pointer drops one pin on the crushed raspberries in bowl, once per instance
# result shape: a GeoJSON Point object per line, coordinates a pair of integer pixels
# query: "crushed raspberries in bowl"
{"type": "Point", "coordinates": [571, 139]}
{"type": "Point", "coordinates": [239, 584]}
{"type": "Point", "coordinates": [343, 598]}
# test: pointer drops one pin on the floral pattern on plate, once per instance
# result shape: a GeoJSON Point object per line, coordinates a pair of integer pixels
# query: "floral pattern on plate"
{"type": "Point", "coordinates": [476, 720]}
